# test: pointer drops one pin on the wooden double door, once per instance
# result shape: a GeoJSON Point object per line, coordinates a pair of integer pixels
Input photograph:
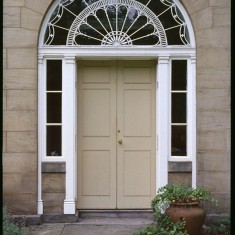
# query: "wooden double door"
{"type": "Point", "coordinates": [116, 134]}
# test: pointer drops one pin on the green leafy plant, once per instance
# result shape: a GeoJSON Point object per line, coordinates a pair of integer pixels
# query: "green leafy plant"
{"type": "Point", "coordinates": [163, 224]}
{"type": "Point", "coordinates": [222, 227]}
{"type": "Point", "coordinates": [11, 228]}
{"type": "Point", "coordinates": [180, 194]}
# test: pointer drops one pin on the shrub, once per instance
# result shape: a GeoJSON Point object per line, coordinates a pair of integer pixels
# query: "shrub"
{"type": "Point", "coordinates": [222, 227]}
{"type": "Point", "coordinates": [11, 228]}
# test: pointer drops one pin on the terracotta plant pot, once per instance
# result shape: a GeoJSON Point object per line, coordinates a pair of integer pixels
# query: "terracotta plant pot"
{"type": "Point", "coordinates": [193, 214]}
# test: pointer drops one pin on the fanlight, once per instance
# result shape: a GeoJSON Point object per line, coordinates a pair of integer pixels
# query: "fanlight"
{"type": "Point", "coordinates": [116, 23]}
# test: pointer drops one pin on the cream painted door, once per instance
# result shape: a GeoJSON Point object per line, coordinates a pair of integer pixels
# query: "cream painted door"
{"type": "Point", "coordinates": [116, 134]}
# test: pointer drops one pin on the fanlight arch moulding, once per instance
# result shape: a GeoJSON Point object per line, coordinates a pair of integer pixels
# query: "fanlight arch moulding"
{"type": "Point", "coordinates": [116, 23]}
{"type": "Point", "coordinates": [119, 29]}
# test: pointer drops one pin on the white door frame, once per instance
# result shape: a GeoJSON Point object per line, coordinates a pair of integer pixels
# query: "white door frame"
{"type": "Point", "coordinates": [69, 125]}
{"type": "Point", "coordinates": [69, 55]}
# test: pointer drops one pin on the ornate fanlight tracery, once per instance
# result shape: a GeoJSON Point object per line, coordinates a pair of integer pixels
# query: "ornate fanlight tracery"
{"type": "Point", "coordinates": [116, 23]}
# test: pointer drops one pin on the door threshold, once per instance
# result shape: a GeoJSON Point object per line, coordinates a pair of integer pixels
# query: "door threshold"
{"type": "Point", "coordinates": [142, 213]}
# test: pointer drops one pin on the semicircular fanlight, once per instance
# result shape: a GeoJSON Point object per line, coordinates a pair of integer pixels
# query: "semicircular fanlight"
{"type": "Point", "coordinates": [116, 23]}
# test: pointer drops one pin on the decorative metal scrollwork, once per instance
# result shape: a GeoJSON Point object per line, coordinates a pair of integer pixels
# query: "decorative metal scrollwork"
{"type": "Point", "coordinates": [116, 23]}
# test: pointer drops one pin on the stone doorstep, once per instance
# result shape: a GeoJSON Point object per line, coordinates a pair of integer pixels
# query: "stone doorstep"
{"type": "Point", "coordinates": [31, 220]}
{"type": "Point", "coordinates": [60, 218]}
{"type": "Point", "coordinates": [116, 214]}
{"type": "Point", "coordinates": [27, 219]}
{"type": "Point", "coordinates": [91, 214]}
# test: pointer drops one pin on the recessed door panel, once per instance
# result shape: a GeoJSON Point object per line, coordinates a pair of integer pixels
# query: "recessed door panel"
{"type": "Point", "coordinates": [116, 134]}
{"type": "Point", "coordinates": [96, 112]}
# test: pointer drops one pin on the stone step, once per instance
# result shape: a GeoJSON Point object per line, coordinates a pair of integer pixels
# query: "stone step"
{"type": "Point", "coordinates": [115, 214]}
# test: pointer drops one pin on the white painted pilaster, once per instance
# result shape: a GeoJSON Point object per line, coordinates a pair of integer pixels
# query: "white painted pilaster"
{"type": "Point", "coordinates": [69, 132]}
{"type": "Point", "coordinates": [162, 121]}
{"type": "Point", "coordinates": [192, 152]}
{"type": "Point", "coordinates": [41, 135]}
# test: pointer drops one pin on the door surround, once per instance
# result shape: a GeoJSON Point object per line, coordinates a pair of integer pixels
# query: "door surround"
{"type": "Point", "coordinates": [69, 55]}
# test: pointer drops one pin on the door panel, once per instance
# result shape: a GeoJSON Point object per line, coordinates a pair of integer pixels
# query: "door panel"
{"type": "Point", "coordinates": [116, 134]}
{"type": "Point", "coordinates": [137, 112]}
{"type": "Point", "coordinates": [136, 125]}
{"type": "Point", "coordinates": [96, 135]}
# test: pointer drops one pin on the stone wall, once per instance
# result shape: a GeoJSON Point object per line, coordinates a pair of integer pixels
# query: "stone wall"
{"type": "Point", "coordinates": [211, 22]}
{"type": "Point", "coordinates": [21, 22]}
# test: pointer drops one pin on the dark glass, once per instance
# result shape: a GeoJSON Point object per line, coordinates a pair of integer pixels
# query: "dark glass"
{"type": "Point", "coordinates": [54, 75]}
{"type": "Point", "coordinates": [179, 75]}
{"type": "Point", "coordinates": [65, 14]}
{"type": "Point", "coordinates": [83, 40]}
{"type": "Point", "coordinates": [111, 11]}
{"type": "Point", "coordinates": [173, 36]}
{"type": "Point", "coordinates": [90, 32]}
{"type": "Point", "coordinates": [60, 36]}
{"type": "Point", "coordinates": [131, 16]}
{"type": "Point", "coordinates": [54, 104]}
{"type": "Point", "coordinates": [178, 104]}
{"type": "Point", "coordinates": [139, 23]}
{"type": "Point", "coordinates": [96, 24]}
{"type": "Point", "coordinates": [122, 11]}
{"type": "Point", "coordinates": [54, 141]}
{"type": "Point", "coordinates": [143, 1]}
{"type": "Point", "coordinates": [167, 20]}
{"type": "Point", "coordinates": [178, 141]}
{"type": "Point", "coordinates": [156, 6]}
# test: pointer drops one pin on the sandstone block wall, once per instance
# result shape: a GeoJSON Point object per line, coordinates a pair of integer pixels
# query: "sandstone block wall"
{"type": "Point", "coordinates": [212, 21]}
{"type": "Point", "coordinates": [21, 25]}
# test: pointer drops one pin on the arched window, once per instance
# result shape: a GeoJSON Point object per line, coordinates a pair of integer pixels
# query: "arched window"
{"type": "Point", "coordinates": [157, 30]}
{"type": "Point", "coordinates": [116, 22]}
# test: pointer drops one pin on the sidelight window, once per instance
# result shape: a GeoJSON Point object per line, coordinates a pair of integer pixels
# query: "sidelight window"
{"type": "Point", "coordinates": [54, 107]}
{"type": "Point", "coordinates": [179, 108]}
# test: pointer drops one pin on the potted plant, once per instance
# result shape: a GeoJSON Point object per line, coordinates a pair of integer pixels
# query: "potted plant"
{"type": "Point", "coordinates": [180, 202]}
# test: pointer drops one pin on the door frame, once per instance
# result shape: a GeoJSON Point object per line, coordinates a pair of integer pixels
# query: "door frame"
{"type": "Point", "coordinates": [116, 65]}
{"type": "Point", "coordinates": [69, 55]}
{"type": "Point", "coordinates": [69, 104]}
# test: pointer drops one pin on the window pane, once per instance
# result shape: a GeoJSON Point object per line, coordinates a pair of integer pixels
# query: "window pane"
{"type": "Point", "coordinates": [179, 75]}
{"type": "Point", "coordinates": [100, 22]}
{"type": "Point", "coordinates": [53, 140]}
{"type": "Point", "coordinates": [53, 107]}
{"type": "Point", "coordinates": [178, 113]}
{"type": "Point", "coordinates": [178, 141]}
{"type": "Point", "coordinates": [54, 75]}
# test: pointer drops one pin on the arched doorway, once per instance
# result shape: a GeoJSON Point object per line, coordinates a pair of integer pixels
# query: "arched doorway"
{"type": "Point", "coordinates": [157, 32]}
